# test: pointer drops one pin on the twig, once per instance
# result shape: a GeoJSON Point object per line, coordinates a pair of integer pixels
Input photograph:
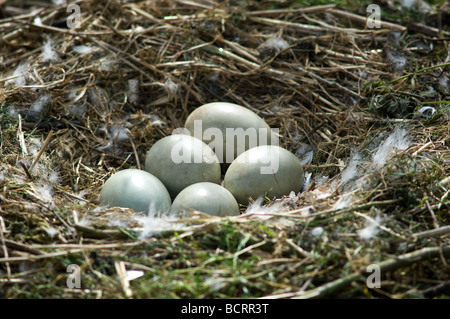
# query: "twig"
{"type": "Point", "coordinates": [231, 55]}
{"type": "Point", "coordinates": [438, 289]}
{"type": "Point", "coordinates": [386, 266]}
{"type": "Point", "coordinates": [287, 11]}
{"type": "Point", "coordinates": [90, 246]}
{"type": "Point", "coordinates": [292, 213]}
{"type": "Point", "coordinates": [419, 71]}
{"type": "Point", "coordinates": [247, 249]}
{"type": "Point", "coordinates": [424, 29]}
{"type": "Point", "coordinates": [433, 232]}
{"type": "Point", "coordinates": [19, 246]}
{"type": "Point", "coordinates": [299, 249]}
{"type": "Point", "coordinates": [46, 142]}
{"type": "Point", "coordinates": [27, 172]}
{"type": "Point", "coordinates": [413, 257]}
{"type": "Point", "coordinates": [21, 138]}
{"type": "Point", "coordinates": [345, 209]}
{"type": "Point", "coordinates": [273, 22]}
{"type": "Point", "coordinates": [122, 272]}
{"type": "Point", "coordinates": [37, 257]}
{"type": "Point", "coordinates": [433, 215]}
{"type": "Point", "coordinates": [319, 292]}
{"type": "Point", "coordinates": [5, 250]}
{"type": "Point", "coordinates": [67, 249]}
{"type": "Point", "coordinates": [335, 84]}
{"type": "Point", "coordinates": [101, 234]}
{"type": "Point", "coordinates": [133, 146]}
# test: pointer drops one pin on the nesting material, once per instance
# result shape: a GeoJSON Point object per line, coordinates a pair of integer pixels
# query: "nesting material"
{"type": "Point", "coordinates": [188, 53]}
{"type": "Point", "coordinates": [19, 74]}
{"type": "Point", "coordinates": [48, 52]}
{"type": "Point", "coordinates": [397, 140]}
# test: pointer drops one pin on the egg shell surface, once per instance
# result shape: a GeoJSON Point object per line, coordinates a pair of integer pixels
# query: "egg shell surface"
{"type": "Point", "coordinates": [264, 170]}
{"type": "Point", "coordinates": [135, 189]}
{"type": "Point", "coordinates": [181, 160]}
{"type": "Point", "coordinates": [239, 128]}
{"type": "Point", "coordinates": [208, 198]}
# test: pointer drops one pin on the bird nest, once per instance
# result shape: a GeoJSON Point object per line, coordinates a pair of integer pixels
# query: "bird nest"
{"type": "Point", "coordinates": [365, 109]}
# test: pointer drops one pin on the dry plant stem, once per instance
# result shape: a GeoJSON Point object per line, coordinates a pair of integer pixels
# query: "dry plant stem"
{"type": "Point", "coordinates": [247, 249]}
{"type": "Point", "coordinates": [37, 257]}
{"type": "Point", "coordinates": [148, 66]}
{"type": "Point", "coordinates": [5, 249]}
{"type": "Point", "coordinates": [279, 23]}
{"type": "Point", "coordinates": [284, 11]}
{"type": "Point", "coordinates": [44, 146]}
{"type": "Point", "coordinates": [328, 211]}
{"type": "Point", "coordinates": [401, 261]}
{"type": "Point", "coordinates": [420, 71]}
{"type": "Point", "coordinates": [125, 284]}
{"type": "Point", "coordinates": [66, 249]}
{"type": "Point", "coordinates": [436, 290]}
{"type": "Point", "coordinates": [26, 16]}
{"type": "Point", "coordinates": [27, 172]}
{"type": "Point", "coordinates": [21, 138]}
{"type": "Point", "coordinates": [433, 215]}
{"type": "Point", "coordinates": [299, 249]}
{"type": "Point", "coordinates": [386, 266]}
{"type": "Point", "coordinates": [425, 29]}
{"type": "Point", "coordinates": [90, 232]}
{"type": "Point", "coordinates": [317, 77]}
{"type": "Point", "coordinates": [444, 230]}
{"type": "Point", "coordinates": [21, 247]}
{"type": "Point", "coordinates": [90, 246]}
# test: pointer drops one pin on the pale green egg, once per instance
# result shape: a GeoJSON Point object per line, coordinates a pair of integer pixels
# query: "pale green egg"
{"type": "Point", "coordinates": [266, 170]}
{"type": "Point", "coordinates": [181, 160]}
{"type": "Point", "coordinates": [135, 189]}
{"type": "Point", "coordinates": [207, 198]}
{"type": "Point", "coordinates": [229, 129]}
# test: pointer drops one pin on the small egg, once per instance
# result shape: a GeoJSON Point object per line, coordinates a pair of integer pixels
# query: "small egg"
{"type": "Point", "coordinates": [264, 170]}
{"type": "Point", "coordinates": [207, 198]}
{"type": "Point", "coordinates": [135, 189]}
{"type": "Point", "coordinates": [181, 160]}
{"type": "Point", "coordinates": [229, 129]}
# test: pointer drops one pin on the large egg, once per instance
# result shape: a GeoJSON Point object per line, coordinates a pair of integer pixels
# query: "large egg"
{"type": "Point", "coordinates": [207, 198]}
{"type": "Point", "coordinates": [181, 160]}
{"type": "Point", "coordinates": [135, 189]}
{"type": "Point", "coordinates": [229, 129]}
{"type": "Point", "coordinates": [264, 170]}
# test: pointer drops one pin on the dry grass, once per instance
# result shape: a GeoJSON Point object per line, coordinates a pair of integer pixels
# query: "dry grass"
{"type": "Point", "coordinates": [331, 85]}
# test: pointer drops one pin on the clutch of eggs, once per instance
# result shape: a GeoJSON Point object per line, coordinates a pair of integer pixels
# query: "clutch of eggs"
{"type": "Point", "coordinates": [186, 168]}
